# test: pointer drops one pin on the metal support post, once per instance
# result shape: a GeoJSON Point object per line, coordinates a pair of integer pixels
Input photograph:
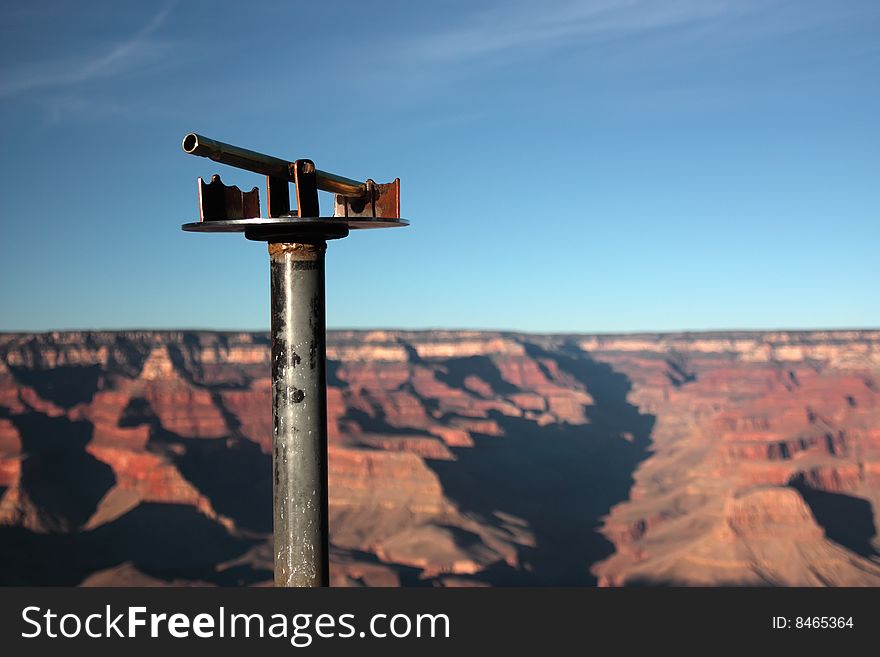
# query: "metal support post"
{"type": "Point", "coordinates": [299, 400]}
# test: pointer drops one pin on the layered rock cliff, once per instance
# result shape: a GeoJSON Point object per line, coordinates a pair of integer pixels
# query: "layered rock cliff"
{"type": "Point", "coordinates": [456, 458]}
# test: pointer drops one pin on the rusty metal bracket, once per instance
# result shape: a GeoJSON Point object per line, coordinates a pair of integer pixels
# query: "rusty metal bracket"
{"type": "Point", "coordinates": [306, 188]}
{"type": "Point", "coordinates": [381, 200]}
{"type": "Point", "coordinates": [278, 193]}
{"type": "Point", "coordinates": [219, 202]}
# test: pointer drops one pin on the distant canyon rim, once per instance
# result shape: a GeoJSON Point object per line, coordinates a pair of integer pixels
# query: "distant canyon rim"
{"type": "Point", "coordinates": [457, 458]}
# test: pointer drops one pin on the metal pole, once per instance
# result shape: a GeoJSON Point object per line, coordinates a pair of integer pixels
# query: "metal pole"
{"type": "Point", "coordinates": [299, 399]}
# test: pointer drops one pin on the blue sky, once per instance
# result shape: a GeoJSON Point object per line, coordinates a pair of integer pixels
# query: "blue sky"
{"type": "Point", "coordinates": [566, 166]}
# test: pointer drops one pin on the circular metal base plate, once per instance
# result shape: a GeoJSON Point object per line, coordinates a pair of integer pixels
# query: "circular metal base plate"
{"type": "Point", "coordinates": [311, 224]}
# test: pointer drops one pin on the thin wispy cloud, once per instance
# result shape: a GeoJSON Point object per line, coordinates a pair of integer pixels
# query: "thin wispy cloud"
{"type": "Point", "coordinates": [118, 59]}
{"type": "Point", "coordinates": [625, 39]}
{"type": "Point", "coordinates": [133, 49]}
{"type": "Point", "coordinates": [518, 27]}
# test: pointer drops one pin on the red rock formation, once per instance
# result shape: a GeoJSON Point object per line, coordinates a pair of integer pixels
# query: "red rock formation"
{"type": "Point", "coordinates": [775, 409]}
{"type": "Point", "coordinates": [460, 458]}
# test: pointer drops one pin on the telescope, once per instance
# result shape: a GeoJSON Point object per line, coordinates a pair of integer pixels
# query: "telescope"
{"type": "Point", "coordinates": [222, 208]}
{"type": "Point", "coordinates": [267, 165]}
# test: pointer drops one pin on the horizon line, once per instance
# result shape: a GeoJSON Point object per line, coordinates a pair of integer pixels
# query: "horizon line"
{"type": "Point", "coordinates": [635, 332]}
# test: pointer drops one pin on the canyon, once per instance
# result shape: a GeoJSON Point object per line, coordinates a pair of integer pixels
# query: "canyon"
{"type": "Point", "coordinates": [457, 458]}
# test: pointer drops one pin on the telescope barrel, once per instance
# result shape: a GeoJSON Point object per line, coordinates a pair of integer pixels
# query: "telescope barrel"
{"type": "Point", "coordinates": [267, 165]}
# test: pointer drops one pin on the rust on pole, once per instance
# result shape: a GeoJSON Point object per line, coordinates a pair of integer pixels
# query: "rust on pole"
{"type": "Point", "coordinates": [297, 241]}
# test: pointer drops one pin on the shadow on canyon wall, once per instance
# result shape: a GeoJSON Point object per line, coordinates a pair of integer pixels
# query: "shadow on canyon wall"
{"type": "Point", "coordinates": [164, 541]}
{"type": "Point", "coordinates": [847, 520]}
{"type": "Point", "coordinates": [58, 476]}
{"type": "Point", "coordinates": [562, 479]}
{"type": "Point", "coordinates": [62, 484]}
{"type": "Point", "coordinates": [64, 385]}
{"type": "Point", "coordinates": [458, 369]}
